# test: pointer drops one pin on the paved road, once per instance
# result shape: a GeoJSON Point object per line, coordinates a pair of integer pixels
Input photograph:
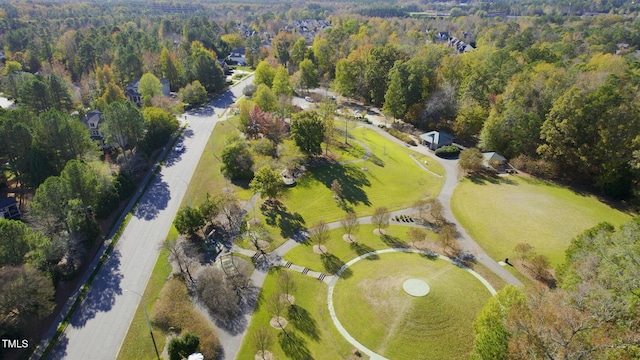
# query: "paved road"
{"type": "Point", "coordinates": [99, 325]}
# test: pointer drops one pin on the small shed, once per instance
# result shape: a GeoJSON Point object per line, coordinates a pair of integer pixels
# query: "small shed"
{"type": "Point", "coordinates": [9, 208]}
{"type": "Point", "coordinates": [436, 139]}
{"type": "Point", "coordinates": [493, 160]}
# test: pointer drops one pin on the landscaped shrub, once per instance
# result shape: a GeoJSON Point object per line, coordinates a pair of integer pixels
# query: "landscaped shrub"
{"type": "Point", "coordinates": [400, 135]}
{"type": "Point", "coordinates": [173, 302]}
{"type": "Point", "coordinates": [180, 348]}
{"type": "Point", "coordinates": [174, 310]}
{"type": "Point", "coordinates": [107, 201]}
{"type": "Point", "coordinates": [536, 167]}
{"type": "Point", "coordinates": [124, 184]}
{"type": "Point", "coordinates": [448, 151]}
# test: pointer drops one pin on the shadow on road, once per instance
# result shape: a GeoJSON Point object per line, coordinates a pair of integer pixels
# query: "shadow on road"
{"type": "Point", "coordinates": [102, 294]}
{"type": "Point", "coordinates": [173, 158]}
{"type": "Point", "coordinates": [155, 199]}
{"type": "Point", "coordinates": [59, 351]}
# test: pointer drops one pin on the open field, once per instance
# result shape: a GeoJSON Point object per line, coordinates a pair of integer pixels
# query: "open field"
{"type": "Point", "coordinates": [391, 179]}
{"type": "Point", "coordinates": [312, 335]}
{"type": "Point", "coordinates": [501, 213]}
{"type": "Point", "coordinates": [376, 311]}
{"type": "Point", "coordinates": [207, 178]}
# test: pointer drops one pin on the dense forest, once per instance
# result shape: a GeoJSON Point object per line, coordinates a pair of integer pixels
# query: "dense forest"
{"type": "Point", "coordinates": [552, 86]}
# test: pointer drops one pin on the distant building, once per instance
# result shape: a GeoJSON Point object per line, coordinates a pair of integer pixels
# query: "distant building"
{"type": "Point", "coordinates": [495, 161]}
{"type": "Point", "coordinates": [9, 208]}
{"type": "Point", "coordinates": [92, 121]}
{"type": "Point", "coordinates": [238, 55]}
{"type": "Point", "coordinates": [436, 139]}
{"type": "Point", "coordinates": [133, 94]}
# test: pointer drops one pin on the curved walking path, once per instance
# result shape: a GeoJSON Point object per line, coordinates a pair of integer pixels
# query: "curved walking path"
{"type": "Point", "coordinates": [231, 342]}
{"type": "Point", "coordinates": [332, 312]}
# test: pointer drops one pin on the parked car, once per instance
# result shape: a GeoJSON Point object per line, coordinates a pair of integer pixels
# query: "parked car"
{"type": "Point", "coordinates": [308, 99]}
{"type": "Point", "coordinates": [180, 147]}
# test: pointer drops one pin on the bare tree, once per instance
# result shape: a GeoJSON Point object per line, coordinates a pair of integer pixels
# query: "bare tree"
{"type": "Point", "coordinates": [263, 340]}
{"type": "Point", "coordinates": [525, 251]}
{"type": "Point", "coordinates": [447, 237]}
{"type": "Point", "coordinates": [177, 254]}
{"type": "Point", "coordinates": [422, 205]}
{"type": "Point", "coordinates": [232, 212]}
{"type": "Point", "coordinates": [336, 188]}
{"type": "Point", "coordinates": [319, 233]}
{"type": "Point", "coordinates": [285, 283]}
{"type": "Point", "coordinates": [381, 218]}
{"type": "Point", "coordinates": [217, 294]}
{"type": "Point", "coordinates": [436, 213]}
{"type": "Point", "coordinates": [416, 235]}
{"type": "Point", "coordinates": [276, 307]}
{"type": "Point", "coordinates": [258, 235]}
{"type": "Point", "coordinates": [350, 223]}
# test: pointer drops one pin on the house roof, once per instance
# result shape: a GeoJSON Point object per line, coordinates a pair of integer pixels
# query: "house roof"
{"type": "Point", "coordinates": [488, 156]}
{"type": "Point", "coordinates": [239, 51]}
{"type": "Point", "coordinates": [93, 117]}
{"type": "Point", "coordinates": [6, 202]}
{"type": "Point", "coordinates": [437, 137]}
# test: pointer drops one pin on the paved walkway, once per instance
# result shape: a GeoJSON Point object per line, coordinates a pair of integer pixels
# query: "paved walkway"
{"type": "Point", "coordinates": [231, 342]}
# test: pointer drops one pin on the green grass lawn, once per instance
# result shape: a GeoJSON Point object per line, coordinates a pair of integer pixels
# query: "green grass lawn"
{"type": "Point", "coordinates": [207, 177]}
{"type": "Point", "coordinates": [339, 251]}
{"type": "Point", "coordinates": [503, 213]}
{"type": "Point", "coordinates": [376, 311]}
{"type": "Point", "coordinates": [392, 179]}
{"type": "Point", "coordinates": [137, 344]}
{"type": "Point", "coordinates": [311, 332]}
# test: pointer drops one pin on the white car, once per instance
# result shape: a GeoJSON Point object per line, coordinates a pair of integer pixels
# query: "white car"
{"type": "Point", "coordinates": [308, 99]}
{"type": "Point", "coordinates": [180, 147]}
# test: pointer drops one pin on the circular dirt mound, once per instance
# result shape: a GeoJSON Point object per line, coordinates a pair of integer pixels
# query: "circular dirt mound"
{"type": "Point", "coordinates": [416, 287]}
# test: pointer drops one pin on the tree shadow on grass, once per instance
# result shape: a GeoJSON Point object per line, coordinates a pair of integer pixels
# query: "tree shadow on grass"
{"type": "Point", "coordinates": [394, 241]}
{"type": "Point", "coordinates": [332, 264]}
{"type": "Point", "coordinates": [484, 178]}
{"type": "Point", "coordinates": [362, 249]}
{"type": "Point", "coordinates": [294, 346]}
{"type": "Point", "coordinates": [302, 320]}
{"type": "Point", "coordinates": [278, 216]}
{"type": "Point", "coordinates": [352, 179]}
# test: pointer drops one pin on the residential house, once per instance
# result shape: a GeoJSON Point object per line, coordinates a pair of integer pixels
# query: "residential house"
{"type": "Point", "coordinates": [133, 95]}
{"type": "Point", "coordinates": [436, 139]}
{"type": "Point", "coordinates": [9, 208]}
{"type": "Point", "coordinates": [460, 45]}
{"type": "Point", "coordinates": [92, 121]}
{"type": "Point", "coordinates": [238, 55]}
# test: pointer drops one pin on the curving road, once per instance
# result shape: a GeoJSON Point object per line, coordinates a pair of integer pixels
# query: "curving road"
{"type": "Point", "coordinates": [98, 326]}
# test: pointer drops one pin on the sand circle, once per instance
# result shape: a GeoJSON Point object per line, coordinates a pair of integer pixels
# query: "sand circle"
{"type": "Point", "coordinates": [416, 287]}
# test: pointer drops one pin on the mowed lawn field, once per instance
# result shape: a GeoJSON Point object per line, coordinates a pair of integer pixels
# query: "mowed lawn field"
{"type": "Point", "coordinates": [372, 305]}
{"type": "Point", "coordinates": [338, 251]}
{"type": "Point", "coordinates": [501, 214]}
{"type": "Point", "coordinates": [389, 178]}
{"type": "Point", "coordinates": [310, 333]}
